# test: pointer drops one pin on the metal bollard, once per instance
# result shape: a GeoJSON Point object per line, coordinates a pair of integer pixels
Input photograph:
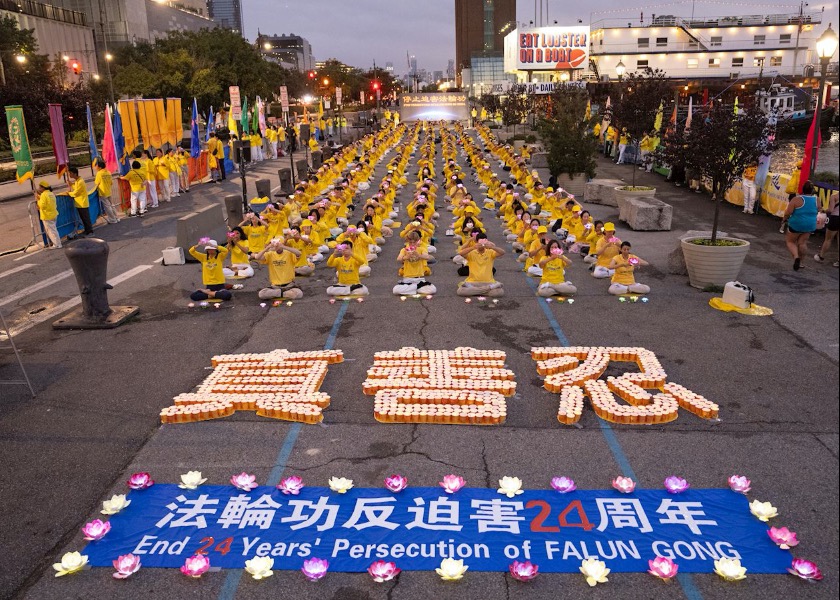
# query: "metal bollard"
{"type": "Point", "coordinates": [89, 259]}
{"type": "Point", "coordinates": [263, 188]}
{"type": "Point", "coordinates": [285, 180]}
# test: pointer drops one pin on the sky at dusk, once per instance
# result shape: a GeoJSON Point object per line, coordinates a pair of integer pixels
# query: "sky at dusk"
{"type": "Point", "coordinates": [358, 32]}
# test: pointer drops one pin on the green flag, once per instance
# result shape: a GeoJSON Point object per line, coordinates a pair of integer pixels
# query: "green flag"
{"type": "Point", "coordinates": [20, 143]}
{"type": "Point", "coordinates": [245, 123]}
{"type": "Point", "coordinates": [255, 118]}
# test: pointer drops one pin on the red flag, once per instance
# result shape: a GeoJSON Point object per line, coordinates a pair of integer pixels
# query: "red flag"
{"type": "Point", "coordinates": [809, 150]}
{"type": "Point", "coordinates": [109, 150]}
{"type": "Point", "coordinates": [705, 96]}
{"type": "Point", "coordinates": [59, 140]}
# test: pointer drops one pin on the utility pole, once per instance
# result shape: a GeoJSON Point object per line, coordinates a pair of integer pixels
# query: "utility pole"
{"type": "Point", "coordinates": [798, 31]}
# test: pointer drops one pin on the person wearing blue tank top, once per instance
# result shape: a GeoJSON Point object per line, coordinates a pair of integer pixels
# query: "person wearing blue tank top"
{"type": "Point", "coordinates": [801, 218]}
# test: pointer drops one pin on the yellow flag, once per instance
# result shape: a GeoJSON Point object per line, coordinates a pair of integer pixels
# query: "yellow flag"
{"type": "Point", "coordinates": [128, 117]}
{"type": "Point", "coordinates": [320, 109]}
{"type": "Point", "coordinates": [232, 123]}
{"type": "Point", "coordinates": [586, 117]}
{"type": "Point", "coordinates": [657, 123]}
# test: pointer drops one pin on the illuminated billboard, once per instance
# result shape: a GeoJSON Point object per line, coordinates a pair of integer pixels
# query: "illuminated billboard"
{"type": "Point", "coordinates": [434, 107]}
{"type": "Point", "coordinates": [556, 48]}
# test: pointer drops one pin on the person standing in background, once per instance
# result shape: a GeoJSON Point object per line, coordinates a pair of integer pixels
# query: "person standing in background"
{"type": "Point", "coordinates": [151, 179]}
{"type": "Point", "coordinates": [748, 188]}
{"type": "Point", "coordinates": [48, 213]}
{"type": "Point", "coordinates": [831, 228]}
{"type": "Point", "coordinates": [801, 217]}
{"type": "Point", "coordinates": [162, 174]}
{"type": "Point", "coordinates": [174, 173]}
{"type": "Point", "coordinates": [217, 149]}
{"type": "Point", "coordinates": [104, 184]}
{"type": "Point", "coordinates": [79, 193]}
{"type": "Point", "coordinates": [137, 181]}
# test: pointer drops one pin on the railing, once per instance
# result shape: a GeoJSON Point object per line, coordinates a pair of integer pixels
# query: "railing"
{"type": "Point", "coordinates": [45, 11]}
{"type": "Point", "coordinates": [726, 21]}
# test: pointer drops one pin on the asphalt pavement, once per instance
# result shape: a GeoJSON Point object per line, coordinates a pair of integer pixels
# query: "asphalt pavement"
{"type": "Point", "coordinates": [95, 419]}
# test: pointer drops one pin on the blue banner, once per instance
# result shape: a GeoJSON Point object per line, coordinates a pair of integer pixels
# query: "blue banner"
{"type": "Point", "coordinates": [418, 527]}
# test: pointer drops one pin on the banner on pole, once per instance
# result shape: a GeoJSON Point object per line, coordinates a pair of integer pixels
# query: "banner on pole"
{"type": "Point", "coordinates": [59, 139]}
{"type": "Point", "coordinates": [109, 147]}
{"type": "Point", "coordinates": [235, 102]}
{"type": "Point", "coordinates": [419, 527]}
{"type": "Point", "coordinates": [20, 143]}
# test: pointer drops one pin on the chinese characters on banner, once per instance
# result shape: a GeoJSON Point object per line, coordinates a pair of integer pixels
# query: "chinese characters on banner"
{"type": "Point", "coordinates": [434, 107]}
{"type": "Point", "coordinates": [420, 526]}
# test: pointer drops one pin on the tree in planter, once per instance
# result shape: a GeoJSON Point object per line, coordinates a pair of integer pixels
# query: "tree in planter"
{"type": "Point", "coordinates": [565, 133]}
{"type": "Point", "coordinates": [515, 107]}
{"type": "Point", "coordinates": [719, 146]}
{"type": "Point", "coordinates": [640, 96]}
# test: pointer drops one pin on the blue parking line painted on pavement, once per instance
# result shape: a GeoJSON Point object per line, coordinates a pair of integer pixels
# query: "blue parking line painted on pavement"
{"type": "Point", "coordinates": [234, 576]}
{"type": "Point", "coordinates": [686, 582]}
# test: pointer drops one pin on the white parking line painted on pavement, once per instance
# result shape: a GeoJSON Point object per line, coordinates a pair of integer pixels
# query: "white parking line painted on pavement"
{"type": "Point", "coordinates": [15, 270]}
{"type": "Point", "coordinates": [72, 303]}
{"type": "Point", "coordinates": [34, 288]}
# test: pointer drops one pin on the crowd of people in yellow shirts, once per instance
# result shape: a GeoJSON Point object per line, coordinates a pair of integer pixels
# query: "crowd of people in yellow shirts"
{"type": "Point", "coordinates": [314, 225]}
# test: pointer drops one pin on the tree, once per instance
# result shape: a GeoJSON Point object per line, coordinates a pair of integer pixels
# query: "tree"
{"type": "Point", "coordinates": [515, 107]}
{"type": "Point", "coordinates": [640, 96]}
{"type": "Point", "coordinates": [565, 133]}
{"type": "Point", "coordinates": [719, 146]}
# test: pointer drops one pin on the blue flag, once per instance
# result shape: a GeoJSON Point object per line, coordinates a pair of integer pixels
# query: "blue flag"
{"type": "Point", "coordinates": [94, 153]}
{"type": "Point", "coordinates": [119, 143]}
{"type": "Point", "coordinates": [211, 125]}
{"type": "Point", "coordinates": [195, 141]}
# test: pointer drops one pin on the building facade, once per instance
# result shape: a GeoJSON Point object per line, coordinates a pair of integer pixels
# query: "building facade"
{"type": "Point", "coordinates": [227, 14]}
{"type": "Point", "coordinates": [480, 27]}
{"type": "Point", "coordinates": [166, 17]}
{"type": "Point", "coordinates": [290, 51]}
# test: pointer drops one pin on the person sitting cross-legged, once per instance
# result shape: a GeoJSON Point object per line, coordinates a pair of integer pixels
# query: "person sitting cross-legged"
{"type": "Point", "coordinates": [553, 282]}
{"type": "Point", "coordinates": [623, 282]}
{"type": "Point", "coordinates": [414, 261]}
{"type": "Point", "coordinates": [347, 267]}
{"type": "Point", "coordinates": [212, 273]}
{"type": "Point", "coordinates": [480, 258]}
{"type": "Point", "coordinates": [281, 260]}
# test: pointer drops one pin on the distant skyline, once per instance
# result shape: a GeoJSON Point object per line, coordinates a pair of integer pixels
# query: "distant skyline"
{"type": "Point", "coordinates": [357, 32]}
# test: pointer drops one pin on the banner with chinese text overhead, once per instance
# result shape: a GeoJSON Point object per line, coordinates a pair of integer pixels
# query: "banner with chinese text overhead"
{"type": "Point", "coordinates": [20, 143]}
{"type": "Point", "coordinates": [434, 107]}
{"type": "Point", "coordinates": [418, 527]}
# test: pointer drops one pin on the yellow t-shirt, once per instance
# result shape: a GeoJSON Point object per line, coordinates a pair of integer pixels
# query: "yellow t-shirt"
{"type": "Point", "coordinates": [162, 168]}
{"type": "Point", "coordinates": [136, 180]}
{"type": "Point", "coordinates": [624, 270]}
{"type": "Point", "coordinates": [281, 267]}
{"type": "Point", "coordinates": [554, 271]}
{"type": "Point", "coordinates": [481, 266]}
{"type": "Point", "coordinates": [237, 256]}
{"type": "Point", "coordinates": [347, 269]}
{"type": "Point", "coordinates": [103, 183]}
{"type": "Point", "coordinates": [412, 268]}
{"type": "Point", "coordinates": [256, 236]}
{"type": "Point", "coordinates": [211, 268]}
{"type": "Point", "coordinates": [605, 252]}
{"type": "Point", "coordinates": [46, 206]}
{"type": "Point", "coordinates": [79, 193]}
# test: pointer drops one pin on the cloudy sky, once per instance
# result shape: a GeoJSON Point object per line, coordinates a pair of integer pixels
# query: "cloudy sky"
{"type": "Point", "coordinates": [359, 31]}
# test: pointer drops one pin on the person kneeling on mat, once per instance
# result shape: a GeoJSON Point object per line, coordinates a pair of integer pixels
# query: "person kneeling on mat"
{"type": "Point", "coordinates": [414, 267]}
{"type": "Point", "coordinates": [553, 282]}
{"type": "Point", "coordinates": [623, 281]}
{"type": "Point", "coordinates": [281, 260]}
{"type": "Point", "coordinates": [346, 266]}
{"type": "Point", "coordinates": [480, 258]}
{"type": "Point", "coordinates": [212, 273]}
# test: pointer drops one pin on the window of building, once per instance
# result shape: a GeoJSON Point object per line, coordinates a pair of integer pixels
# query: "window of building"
{"type": "Point", "coordinates": [714, 63]}
{"type": "Point", "coordinates": [758, 40]}
{"type": "Point", "coordinates": [758, 61]}
{"type": "Point", "coordinates": [693, 44]}
{"type": "Point", "coordinates": [717, 40]}
{"type": "Point", "coordinates": [775, 61]}
{"type": "Point", "coordinates": [692, 63]}
{"type": "Point", "coordinates": [642, 63]}
{"type": "Point", "coordinates": [644, 42]}
{"type": "Point", "coordinates": [661, 42]}
{"type": "Point", "coordinates": [738, 62]}
{"type": "Point", "coordinates": [784, 38]}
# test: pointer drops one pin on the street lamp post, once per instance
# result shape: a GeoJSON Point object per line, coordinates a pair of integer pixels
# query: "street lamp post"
{"type": "Point", "coordinates": [620, 70]}
{"type": "Point", "coordinates": [826, 47]}
{"type": "Point", "coordinates": [108, 58]}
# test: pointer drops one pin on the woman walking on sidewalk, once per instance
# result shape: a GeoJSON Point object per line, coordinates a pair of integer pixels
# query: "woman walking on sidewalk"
{"type": "Point", "coordinates": [801, 218]}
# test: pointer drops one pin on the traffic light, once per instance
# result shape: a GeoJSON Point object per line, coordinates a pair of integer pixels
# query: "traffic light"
{"type": "Point", "coordinates": [311, 74]}
{"type": "Point", "coordinates": [375, 85]}
{"type": "Point", "coordinates": [76, 66]}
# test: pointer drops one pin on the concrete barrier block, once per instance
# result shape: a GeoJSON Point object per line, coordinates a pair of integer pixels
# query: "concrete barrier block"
{"type": "Point", "coordinates": [208, 221]}
{"type": "Point", "coordinates": [600, 191]}
{"type": "Point", "coordinates": [263, 187]}
{"type": "Point", "coordinates": [648, 214]}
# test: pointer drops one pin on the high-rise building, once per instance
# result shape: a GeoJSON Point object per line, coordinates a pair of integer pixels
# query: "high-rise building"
{"type": "Point", "coordinates": [227, 14]}
{"type": "Point", "coordinates": [290, 51]}
{"type": "Point", "coordinates": [389, 67]}
{"type": "Point", "coordinates": [480, 28]}
{"type": "Point", "coordinates": [437, 76]}
{"type": "Point", "coordinates": [450, 69]}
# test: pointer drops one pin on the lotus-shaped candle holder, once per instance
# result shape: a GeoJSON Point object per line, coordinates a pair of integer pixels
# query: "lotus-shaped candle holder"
{"type": "Point", "coordinates": [140, 481]}
{"type": "Point", "coordinates": [291, 485]}
{"type": "Point", "coordinates": [739, 483]}
{"type": "Point", "coordinates": [191, 480]}
{"type": "Point", "coordinates": [451, 569]}
{"type": "Point", "coordinates": [71, 562]}
{"type": "Point", "coordinates": [595, 571]}
{"type": "Point", "coordinates": [510, 486]}
{"type": "Point", "coordinates": [805, 569]}
{"type": "Point", "coordinates": [663, 567]}
{"type": "Point", "coordinates": [564, 485]}
{"type": "Point", "coordinates": [96, 530]}
{"type": "Point", "coordinates": [126, 566]}
{"type": "Point", "coordinates": [452, 483]}
{"type": "Point", "coordinates": [260, 567]}
{"type": "Point", "coordinates": [783, 537]}
{"type": "Point", "coordinates": [396, 483]}
{"type": "Point", "coordinates": [244, 481]}
{"type": "Point", "coordinates": [340, 485]}
{"type": "Point", "coordinates": [315, 568]}
{"type": "Point", "coordinates": [523, 571]}
{"type": "Point", "coordinates": [625, 485]}
{"type": "Point", "coordinates": [195, 566]}
{"type": "Point", "coordinates": [676, 485]}
{"type": "Point", "coordinates": [382, 571]}
{"type": "Point", "coordinates": [115, 504]}
{"type": "Point", "coordinates": [763, 511]}
{"type": "Point", "coordinates": [730, 569]}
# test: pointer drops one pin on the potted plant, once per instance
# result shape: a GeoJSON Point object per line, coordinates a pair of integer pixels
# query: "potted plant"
{"type": "Point", "coordinates": [569, 145]}
{"type": "Point", "coordinates": [641, 96]}
{"type": "Point", "coordinates": [718, 145]}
